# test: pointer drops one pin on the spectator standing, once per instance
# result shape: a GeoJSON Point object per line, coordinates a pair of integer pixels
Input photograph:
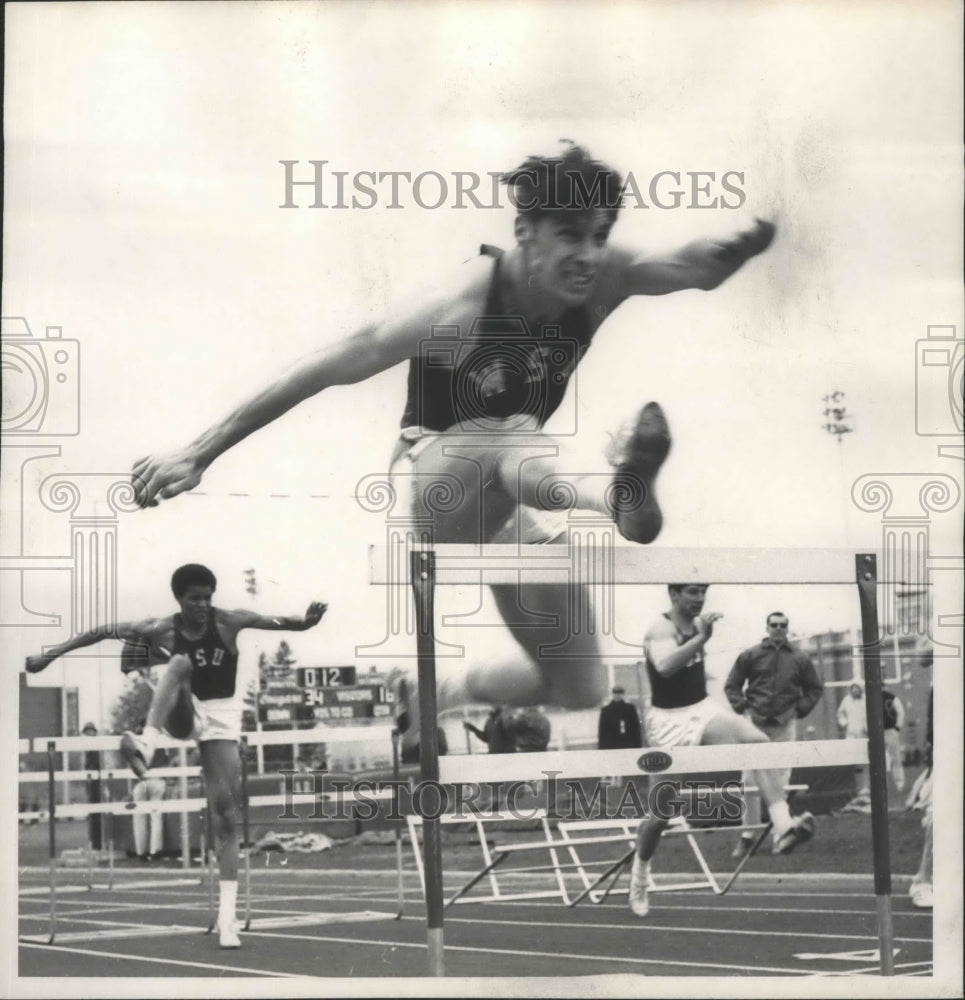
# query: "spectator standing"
{"type": "Point", "coordinates": [853, 719]}
{"type": "Point", "coordinates": [773, 685]}
{"type": "Point", "coordinates": [619, 724]}
{"type": "Point", "coordinates": [894, 719]}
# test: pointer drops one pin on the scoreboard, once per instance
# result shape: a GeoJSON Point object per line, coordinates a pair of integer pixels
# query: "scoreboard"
{"type": "Point", "coordinates": [323, 694]}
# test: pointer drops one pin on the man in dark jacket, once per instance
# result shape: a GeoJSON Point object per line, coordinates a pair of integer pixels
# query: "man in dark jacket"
{"type": "Point", "coordinates": [774, 686]}
{"type": "Point", "coordinates": [496, 732]}
{"type": "Point", "coordinates": [619, 726]}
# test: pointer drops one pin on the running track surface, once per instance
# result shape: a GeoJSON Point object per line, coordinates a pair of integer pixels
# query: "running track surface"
{"type": "Point", "coordinates": [765, 926]}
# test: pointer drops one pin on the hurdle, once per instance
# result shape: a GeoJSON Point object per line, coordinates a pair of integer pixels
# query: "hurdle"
{"type": "Point", "coordinates": [593, 558]}
{"type": "Point", "coordinates": [490, 864]}
{"type": "Point", "coordinates": [185, 805]}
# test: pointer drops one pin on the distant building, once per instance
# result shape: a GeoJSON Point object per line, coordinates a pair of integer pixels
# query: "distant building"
{"type": "Point", "coordinates": [46, 711]}
{"type": "Point", "coordinates": [901, 671]}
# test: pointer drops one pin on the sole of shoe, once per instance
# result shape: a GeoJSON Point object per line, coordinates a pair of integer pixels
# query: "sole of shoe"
{"type": "Point", "coordinates": [636, 511]}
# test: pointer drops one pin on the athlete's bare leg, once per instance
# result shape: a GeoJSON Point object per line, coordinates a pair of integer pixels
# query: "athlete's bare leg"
{"type": "Point", "coordinates": [466, 486]}
{"type": "Point", "coordinates": [730, 729]}
{"type": "Point", "coordinates": [171, 711]}
{"type": "Point", "coordinates": [488, 487]}
{"type": "Point", "coordinates": [171, 708]}
{"type": "Point", "coordinates": [752, 803]}
{"type": "Point", "coordinates": [221, 768]}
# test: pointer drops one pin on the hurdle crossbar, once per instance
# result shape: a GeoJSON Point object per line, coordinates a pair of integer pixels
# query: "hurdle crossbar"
{"type": "Point", "coordinates": [598, 562]}
{"type": "Point", "coordinates": [614, 564]}
{"type": "Point", "coordinates": [333, 734]}
{"type": "Point", "coordinates": [680, 760]}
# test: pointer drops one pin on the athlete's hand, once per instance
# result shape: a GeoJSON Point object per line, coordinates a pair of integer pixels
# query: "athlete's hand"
{"type": "Point", "coordinates": [713, 261]}
{"type": "Point", "coordinates": [705, 623]}
{"type": "Point", "coordinates": [314, 613]}
{"type": "Point", "coordinates": [155, 479]}
{"type": "Point", "coordinates": [744, 245]}
{"type": "Point", "coordinates": [37, 663]}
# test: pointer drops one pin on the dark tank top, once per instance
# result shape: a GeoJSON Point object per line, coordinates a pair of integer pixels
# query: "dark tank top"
{"type": "Point", "coordinates": [686, 687]}
{"type": "Point", "coordinates": [215, 669]}
{"type": "Point", "coordinates": [498, 368]}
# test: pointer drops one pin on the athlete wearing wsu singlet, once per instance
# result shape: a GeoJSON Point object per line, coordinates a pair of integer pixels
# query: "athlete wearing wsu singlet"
{"type": "Point", "coordinates": [468, 382]}
{"type": "Point", "coordinates": [214, 677]}
{"type": "Point", "coordinates": [498, 368]}
{"type": "Point", "coordinates": [197, 697]}
{"type": "Point", "coordinates": [215, 666]}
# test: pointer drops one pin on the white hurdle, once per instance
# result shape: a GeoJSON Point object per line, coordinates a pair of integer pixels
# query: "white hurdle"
{"type": "Point", "coordinates": [592, 558]}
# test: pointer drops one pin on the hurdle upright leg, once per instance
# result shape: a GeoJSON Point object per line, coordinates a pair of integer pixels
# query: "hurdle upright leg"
{"type": "Point", "coordinates": [422, 566]}
{"type": "Point", "coordinates": [52, 839]}
{"type": "Point", "coordinates": [867, 579]}
{"type": "Point", "coordinates": [184, 827]}
{"type": "Point", "coordinates": [245, 839]}
{"type": "Point", "coordinates": [400, 879]}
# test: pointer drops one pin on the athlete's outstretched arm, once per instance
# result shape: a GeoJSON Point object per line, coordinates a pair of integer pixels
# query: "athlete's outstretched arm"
{"type": "Point", "coordinates": [372, 350]}
{"type": "Point", "coordinates": [702, 264]}
{"type": "Point", "coordinates": [143, 631]}
{"type": "Point", "coordinates": [280, 623]}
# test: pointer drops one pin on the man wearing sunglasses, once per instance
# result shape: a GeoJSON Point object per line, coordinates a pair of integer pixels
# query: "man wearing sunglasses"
{"type": "Point", "coordinates": [773, 685]}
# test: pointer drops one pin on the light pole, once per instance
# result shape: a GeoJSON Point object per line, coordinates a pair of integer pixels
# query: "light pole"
{"type": "Point", "coordinates": [838, 422]}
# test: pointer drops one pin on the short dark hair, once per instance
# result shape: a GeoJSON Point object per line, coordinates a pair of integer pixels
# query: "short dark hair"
{"type": "Point", "coordinates": [773, 614]}
{"type": "Point", "coordinates": [567, 180]}
{"type": "Point", "coordinates": [674, 588]}
{"type": "Point", "coordinates": [191, 575]}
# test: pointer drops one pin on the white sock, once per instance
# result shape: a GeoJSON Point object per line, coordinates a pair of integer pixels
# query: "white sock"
{"type": "Point", "coordinates": [227, 901]}
{"type": "Point", "coordinates": [641, 868]}
{"type": "Point", "coordinates": [780, 817]}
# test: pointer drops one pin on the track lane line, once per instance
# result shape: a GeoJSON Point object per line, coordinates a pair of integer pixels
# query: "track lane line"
{"type": "Point", "coordinates": [665, 927]}
{"type": "Point", "coordinates": [530, 953]}
{"type": "Point", "coordinates": [161, 961]}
